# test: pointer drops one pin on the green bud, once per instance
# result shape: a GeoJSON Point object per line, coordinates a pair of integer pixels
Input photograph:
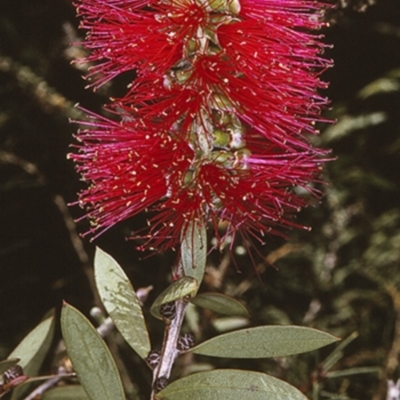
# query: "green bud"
{"type": "Point", "coordinates": [182, 76]}
{"type": "Point", "coordinates": [236, 123]}
{"type": "Point", "coordinates": [221, 138]}
{"type": "Point", "coordinates": [241, 156]}
{"type": "Point", "coordinates": [220, 19]}
{"type": "Point", "coordinates": [222, 103]}
{"type": "Point", "coordinates": [188, 178]}
{"type": "Point", "coordinates": [211, 35]}
{"type": "Point", "coordinates": [223, 157]}
{"type": "Point", "coordinates": [192, 46]}
{"type": "Point", "coordinates": [218, 5]}
{"type": "Point", "coordinates": [223, 118]}
{"type": "Point", "coordinates": [234, 7]}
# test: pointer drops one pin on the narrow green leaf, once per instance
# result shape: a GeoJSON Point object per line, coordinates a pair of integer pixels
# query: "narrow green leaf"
{"type": "Point", "coordinates": [265, 341]}
{"type": "Point", "coordinates": [221, 303]}
{"type": "Point", "coordinates": [90, 357]}
{"type": "Point", "coordinates": [33, 350]}
{"type": "Point", "coordinates": [7, 364]}
{"type": "Point", "coordinates": [194, 251]}
{"type": "Point", "coordinates": [72, 392]}
{"type": "Point", "coordinates": [227, 324]}
{"type": "Point", "coordinates": [337, 353]}
{"type": "Point", "coordinates": [186, 286]}
{"type": "Point", "coordinates": [121, 302]}
{"type": "Point", "coordinates": [353, 371]}
{"type": "Point", "coordinates": [230, 384]}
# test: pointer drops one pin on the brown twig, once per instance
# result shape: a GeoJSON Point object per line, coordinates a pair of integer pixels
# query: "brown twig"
{"type": "Point", "coordinates": [48, 384]}
{"type": "Point", "coordinates": [169, 352]}
{"type": "Point", "coordinates": [47, 97]}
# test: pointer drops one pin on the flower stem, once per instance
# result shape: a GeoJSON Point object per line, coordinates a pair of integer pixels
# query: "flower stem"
{"type": "Point", "coordinates": [169, 351]}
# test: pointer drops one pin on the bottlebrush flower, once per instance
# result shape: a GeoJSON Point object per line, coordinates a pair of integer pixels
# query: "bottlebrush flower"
{"type": "Point", "coordinates": [214, 126]}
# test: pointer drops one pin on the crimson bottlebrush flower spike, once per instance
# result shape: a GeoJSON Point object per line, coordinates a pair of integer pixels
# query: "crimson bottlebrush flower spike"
{"type": "Point", "coordinates": [214, 126]}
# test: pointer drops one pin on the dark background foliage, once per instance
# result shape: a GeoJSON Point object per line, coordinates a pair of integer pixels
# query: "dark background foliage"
{"type": "Point", "coordinates": [342, 277]}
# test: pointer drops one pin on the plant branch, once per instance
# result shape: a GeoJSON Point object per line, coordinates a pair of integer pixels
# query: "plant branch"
{"type": "Point", "coordinates": [48, 384]}
{"type": "Point", "coordinates": [169, 351]}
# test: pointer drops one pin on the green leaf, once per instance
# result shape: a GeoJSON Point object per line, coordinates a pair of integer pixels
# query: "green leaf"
{"type": "Point", "coordinates": [230, 384]}
{"type": "Point", "coordinates": [353, 371]}
{"type": "Point", "coordinates": [337, 353]}
{"type": "Point", "coordinates": [72, 392]}
{"type": "Point", "coordinates": [90, 357]}
{"type": "Point", "coordinates": [7, 364]}
{"type": "Point", "coordinates": [227, 324]}
{"type": "Point", "coordinates": [186, 286]}
{"type": "Point", "coordinates": [121, 302]}
{"type": "Point", "coordinates": [265, 341]}
{"type": "Point", "coordinates": [194, 251]}
{"type": "Point", "coordinates": [221, 303]}
{"type": "Point", "coordinates": [33, 350]}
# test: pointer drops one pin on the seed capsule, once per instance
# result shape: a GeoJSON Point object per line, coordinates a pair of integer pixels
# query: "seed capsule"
{"type": "Point", "coordinates": [153, 359]}
{"type": "Point", "coordinates": [168, 310]}
{"type": "Point", "coordinates": [160, 384]}
{"type": "Point", "coordinates": [12, 373]}
{"type": "Point", "coordinates": [185, 342]}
